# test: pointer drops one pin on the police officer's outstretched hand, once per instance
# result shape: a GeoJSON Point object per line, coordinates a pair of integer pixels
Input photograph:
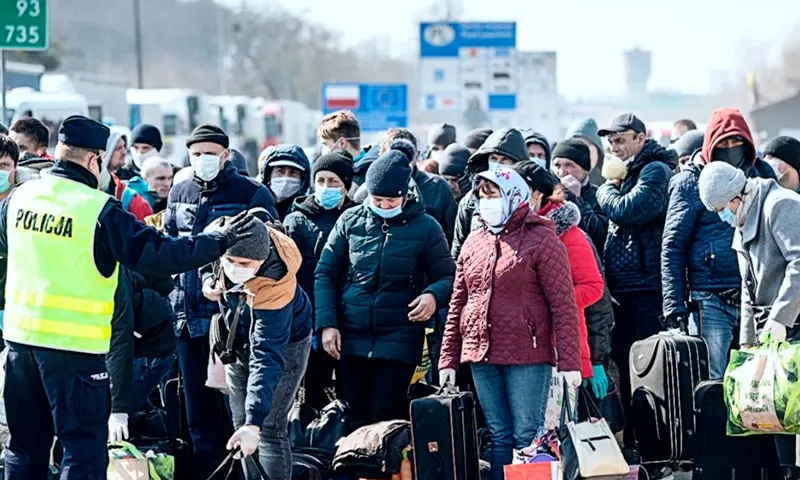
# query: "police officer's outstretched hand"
{"type": "Point", "coordinates": [239, 228]}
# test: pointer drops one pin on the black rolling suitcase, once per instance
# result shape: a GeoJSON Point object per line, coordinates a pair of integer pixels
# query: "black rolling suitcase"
{"type": "Point", "coordinates": [720, 457]}
{"type": "Point", "coordinates": [444, 437]}
{"type": "Point", "coordinates": [665, 369]}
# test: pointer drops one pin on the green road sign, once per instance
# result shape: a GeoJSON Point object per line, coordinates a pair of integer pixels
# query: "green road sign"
{"type": "Point", "coordinates": [24, 25]}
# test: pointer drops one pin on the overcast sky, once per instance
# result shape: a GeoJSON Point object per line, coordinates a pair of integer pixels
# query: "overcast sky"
{"type": "Point", "coordinates": [690, 39]}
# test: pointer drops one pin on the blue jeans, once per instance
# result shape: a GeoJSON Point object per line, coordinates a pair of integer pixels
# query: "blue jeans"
{"type": "Point", "coordinates": [720, 322]}
{"type": "Point", "coordinates": [149, 373]}
{"type": "Point", "coordinates": [514, 399]}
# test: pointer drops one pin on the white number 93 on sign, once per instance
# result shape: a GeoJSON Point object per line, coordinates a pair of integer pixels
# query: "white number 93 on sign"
{"type": "Point", "coordinates": [32, 8]}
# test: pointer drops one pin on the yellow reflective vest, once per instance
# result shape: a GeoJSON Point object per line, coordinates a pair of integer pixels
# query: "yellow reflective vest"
{"type": "Point", "coordinates": [55, 296]}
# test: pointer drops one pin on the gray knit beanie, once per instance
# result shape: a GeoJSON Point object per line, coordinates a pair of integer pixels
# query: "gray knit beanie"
{"type": "Point", "coordinates": [720, 183]}
{"type": "Point", "coordinates": [255, 247]}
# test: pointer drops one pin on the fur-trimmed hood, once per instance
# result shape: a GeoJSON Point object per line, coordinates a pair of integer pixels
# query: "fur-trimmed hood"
{"type": "Point", "coordinates": [564, 215]}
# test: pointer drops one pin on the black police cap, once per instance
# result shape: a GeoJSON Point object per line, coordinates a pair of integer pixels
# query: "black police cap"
{"type": "Point", "coordinates": [83, 132]}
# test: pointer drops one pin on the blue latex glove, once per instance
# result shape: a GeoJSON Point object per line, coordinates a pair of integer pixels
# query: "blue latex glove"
{"type": "Point", "coordinates": [599, 382]}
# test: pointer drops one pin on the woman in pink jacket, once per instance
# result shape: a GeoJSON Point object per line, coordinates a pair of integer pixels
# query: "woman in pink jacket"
{"type": "Point", "coordinates": [512, 313]}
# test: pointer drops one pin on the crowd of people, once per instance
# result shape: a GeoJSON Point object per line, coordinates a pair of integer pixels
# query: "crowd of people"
{"type": "Point", "coordinates": [503, 257]}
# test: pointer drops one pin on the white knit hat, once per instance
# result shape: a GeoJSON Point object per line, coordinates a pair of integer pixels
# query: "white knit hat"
{"type": "Point", "coordinates": [720, 183]}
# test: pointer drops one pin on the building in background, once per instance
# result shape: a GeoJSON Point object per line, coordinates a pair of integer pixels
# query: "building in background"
{"type": "Point", "coordinates": [538, 103]}
{"type": "Point", "coordinates": [637, 74]}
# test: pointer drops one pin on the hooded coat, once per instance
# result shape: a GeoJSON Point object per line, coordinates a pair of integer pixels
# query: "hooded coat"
{"type": "Point", "coordinates": [275, 312]}
{"type": "Point", "coordinates": [586, 278]}
{"type": "Point", "coordinates": [507, 142]}
{"type": "Point", "coordinates": [130, 199]}
{"type": "Point", "coordinates": [371, 269]}
{"type": "Point", "coordinates": [636, 212]}
{"type": "Point", "coordinates": [295, 154]}
{"type": "Point", "coordinates": [696, 252]}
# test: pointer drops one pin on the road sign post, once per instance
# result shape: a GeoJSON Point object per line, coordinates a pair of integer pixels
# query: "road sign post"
{"type": "Point", "coordinates": [468, 64]}
{"type": "Point", "coordinates": [377, 107]}
{"type": "Point", "coordinates": [25, 26]}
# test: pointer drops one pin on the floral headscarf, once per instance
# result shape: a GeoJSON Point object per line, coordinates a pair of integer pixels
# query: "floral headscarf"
{"type": "Point", "coordinates": [515, 192]}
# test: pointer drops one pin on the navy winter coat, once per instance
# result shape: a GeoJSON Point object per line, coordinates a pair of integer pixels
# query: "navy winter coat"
{"type": "Point", "coordinates": [191, 207]}
{"type": "Point", "coordinates": [371, 269]}
{"type": "Point", "coordinates": [696, 248]}
{"type": "Point", "coordinates": [636, 211]}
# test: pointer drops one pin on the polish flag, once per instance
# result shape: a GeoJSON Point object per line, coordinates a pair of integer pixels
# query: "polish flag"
{"type": "Point", "coordinates": [341, 97]}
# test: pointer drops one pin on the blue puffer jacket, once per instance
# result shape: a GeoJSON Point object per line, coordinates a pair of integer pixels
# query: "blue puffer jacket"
{"type": "Point", "coordinates": [636, 211]}
{"type": "Point", "coordinates": [191, 207]}
{"type": "Point", "coordinates": [696, 249]}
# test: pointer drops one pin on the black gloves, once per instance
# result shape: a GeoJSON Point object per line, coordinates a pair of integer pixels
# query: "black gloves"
{"type": "Point", "coordinates": [239, 228]}
{"type": "Point", "coordinates": [677, 320]}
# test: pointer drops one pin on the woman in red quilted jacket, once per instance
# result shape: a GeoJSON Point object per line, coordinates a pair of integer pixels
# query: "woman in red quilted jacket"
{"type": "Point", "coordinates": [512, 314]}
{"type": "Point", "coordinates": [586, 277]}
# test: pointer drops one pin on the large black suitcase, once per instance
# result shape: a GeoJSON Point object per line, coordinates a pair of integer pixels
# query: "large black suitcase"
{"type": "Point", "coordinates": [720, 457]}
{"type": "Point", "coordinates": [665, 369]}
{"type": "Point", "coordinates": [444, 437]}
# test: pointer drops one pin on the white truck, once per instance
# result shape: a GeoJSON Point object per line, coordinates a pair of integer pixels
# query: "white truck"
{"type": "Point", "coordinates": [105, 94]}
{"type": "Point", "coordinates": [50, 108]}
{"type": "Point", "coordinates": [175, 111]}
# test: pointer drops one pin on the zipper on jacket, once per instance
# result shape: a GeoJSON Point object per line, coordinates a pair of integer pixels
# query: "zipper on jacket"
{"type": "Point", "coordinates": [384, 238]}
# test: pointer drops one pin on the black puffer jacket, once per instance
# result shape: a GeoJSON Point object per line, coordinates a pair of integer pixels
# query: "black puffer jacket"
{"type": "Point", "coordinates": [600, 319]}
{"type": "Point", "coordinates": [508, 142]}
{"type": "Point", "coordinates": [141, 327]}
{"type": "Point", "coordinates": [593, 219]}
{"type": "Point", "coordinates": [636, 212]}
{"type": "Point", "coordinates": [309, 226]}
{"type": "Point", "coordinates": [371, 269]}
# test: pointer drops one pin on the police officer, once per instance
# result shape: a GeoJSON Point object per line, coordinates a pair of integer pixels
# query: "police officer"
{"type": "Point", "coordinates": [63, 239]}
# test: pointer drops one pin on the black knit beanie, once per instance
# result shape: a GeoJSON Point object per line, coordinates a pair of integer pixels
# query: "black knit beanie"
{"type": "Point", "coordinates": [337, 163]}
{"type": "Point", "coordinates": [786, 149]}
{"type": "Point", "coordinates": [442, 135]}
{"type": "Point", "coordinates": [475, 138]}
{"type": "Point", "coordinates": [388, 176]}
{"type": "Point", "coordinates": [454, 160]}
{"type": "Point", "coordinates": [537, 178]}
{"type": "Point", "coordinates": [575, 150]}
{"type": "Point", "coordinates": [208, 133]}
{"type": "Point", "coordinates": [147, 134]}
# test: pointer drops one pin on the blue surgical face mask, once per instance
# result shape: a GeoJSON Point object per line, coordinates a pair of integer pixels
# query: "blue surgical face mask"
{"type": "Point", "coordinates": [539, 161]}
{"type": "Point", "coordinates": [727, 216]}
{"type": "Point", "coordinates": [328, 197]}
{"type": "Point", "coordinates": [384, 213]}
{"type": "Point", "coordinates": [493, 165]}
{"type": "Point", "coordinates": [5, 184]}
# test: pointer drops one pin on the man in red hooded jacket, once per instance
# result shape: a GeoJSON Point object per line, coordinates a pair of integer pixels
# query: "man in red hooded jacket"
{"type": "Point", "coordinates": [698, 265]}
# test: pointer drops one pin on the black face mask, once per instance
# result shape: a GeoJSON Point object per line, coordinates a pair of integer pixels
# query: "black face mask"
{"type": "Point", "coordinates": [734, 156]}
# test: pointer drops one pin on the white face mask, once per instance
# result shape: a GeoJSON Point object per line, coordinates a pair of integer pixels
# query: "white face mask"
{"type": "Point", "coordinates": [284, 187]}
{"type": "Point", "coordinates": [237, 275]}
{"type": "Point", "coordinates": [492, 212]}
{"type": "Point", "coordinates": [206, 166]}
{"type": "Point", "coordinates": [139, 158]}
{"type": "Point", "coordinates": [775, 164]}
{"type": "Point", "coordinates": [104, 180]}
{"type": "Point", "coordinates": [437, 155]}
